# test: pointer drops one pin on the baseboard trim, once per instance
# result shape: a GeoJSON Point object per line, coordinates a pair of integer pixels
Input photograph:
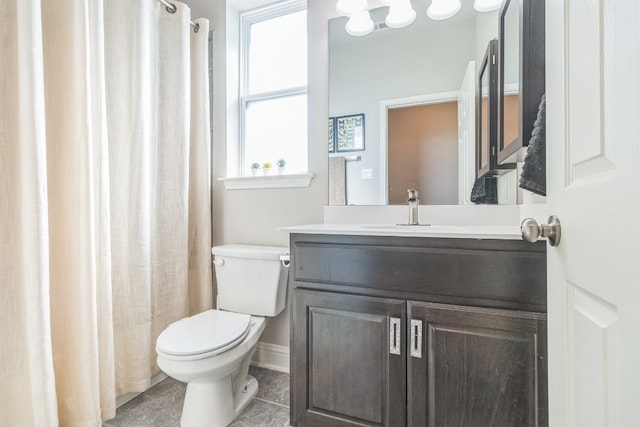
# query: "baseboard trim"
{"type": "Point", "coordinates": [271, 356]}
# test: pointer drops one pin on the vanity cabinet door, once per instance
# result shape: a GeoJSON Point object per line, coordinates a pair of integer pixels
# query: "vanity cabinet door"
{"type": "Point", "coordinates": [477, 367]}
{"type": "Point", "coordinates": [343, 373]}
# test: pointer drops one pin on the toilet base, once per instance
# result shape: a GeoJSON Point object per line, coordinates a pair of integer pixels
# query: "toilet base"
{"type": "Point", "coordinates": [212, 404]}
{"type": "Point", "coordinates": [218, 387]}
{"type": "Point", "coordinates": [245, 395]}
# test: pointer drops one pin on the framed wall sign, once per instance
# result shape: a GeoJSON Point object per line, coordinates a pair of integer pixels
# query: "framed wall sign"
{"type": "Point", "coordinates": [349, 133]}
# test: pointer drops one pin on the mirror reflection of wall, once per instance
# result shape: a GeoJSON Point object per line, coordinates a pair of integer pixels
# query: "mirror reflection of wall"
{"type": "Point", "coordinates": [424, 59]}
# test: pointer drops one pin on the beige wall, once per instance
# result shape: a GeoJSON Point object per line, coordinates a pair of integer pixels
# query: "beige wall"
{"type": "Point", "coordinates": [253, 216]}
{"type": "Point", "coordinates": [423, 153]}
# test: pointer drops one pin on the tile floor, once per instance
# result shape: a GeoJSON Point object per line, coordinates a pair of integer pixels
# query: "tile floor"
{"type": "Point", "coordinates": [161, 405]}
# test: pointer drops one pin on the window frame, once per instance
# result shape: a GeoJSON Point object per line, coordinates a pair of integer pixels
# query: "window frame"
{"type": "Point", "coordinates": [248, 18]}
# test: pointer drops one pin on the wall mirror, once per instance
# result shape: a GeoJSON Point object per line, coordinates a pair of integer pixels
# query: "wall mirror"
{"type": "Point", "coordinates": [416, 87]}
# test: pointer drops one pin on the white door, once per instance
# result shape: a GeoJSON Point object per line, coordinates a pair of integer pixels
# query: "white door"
{"type": "Point", "coordinates": [593, 173]}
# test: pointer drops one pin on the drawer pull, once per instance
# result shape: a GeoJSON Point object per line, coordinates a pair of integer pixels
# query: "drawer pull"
{"type": "Point", "coordinates": [394, 335]}
{"type": "Point", "coordinates": [416, 338]}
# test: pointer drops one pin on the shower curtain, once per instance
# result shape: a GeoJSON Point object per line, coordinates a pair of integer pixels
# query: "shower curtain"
{"type": "Point", "coordinates": [104, 200]}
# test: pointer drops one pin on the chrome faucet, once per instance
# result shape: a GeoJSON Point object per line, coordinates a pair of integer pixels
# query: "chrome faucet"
{"type": "Point", "coordinates": [412, 199]}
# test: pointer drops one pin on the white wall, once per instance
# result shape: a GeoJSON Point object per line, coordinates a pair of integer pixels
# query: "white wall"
{"type": "Point", "coordinates": [253, 216]}
{"type": "Point", "coordinates": [486, 29]}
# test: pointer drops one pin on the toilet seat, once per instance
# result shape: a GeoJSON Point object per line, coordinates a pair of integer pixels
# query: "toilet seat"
{"type": "Point", "coordinates": [206, 334]}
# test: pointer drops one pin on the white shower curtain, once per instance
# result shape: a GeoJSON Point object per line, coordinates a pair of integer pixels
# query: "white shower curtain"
{"type": "Point", "coordinates": [104, 200]}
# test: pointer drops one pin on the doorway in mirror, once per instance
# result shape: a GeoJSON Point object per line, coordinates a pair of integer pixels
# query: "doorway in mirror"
{"type": "Point", "coordinates": [423, 153]}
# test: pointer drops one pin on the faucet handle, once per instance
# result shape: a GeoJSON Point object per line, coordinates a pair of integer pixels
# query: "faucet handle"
{"type": "Point", "coordinates": [412, 195]}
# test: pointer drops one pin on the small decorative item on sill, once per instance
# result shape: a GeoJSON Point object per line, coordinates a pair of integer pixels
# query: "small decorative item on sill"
{"type": "Point", "coordinates": [255, 168]}
{"type": "Point", "coordinates": [280, 163]}
{"type": "Point", "coordinates": [266, 168]}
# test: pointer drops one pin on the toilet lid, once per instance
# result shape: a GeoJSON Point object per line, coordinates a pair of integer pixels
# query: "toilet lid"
{"type": "Point", "coordinates": [211, 331]}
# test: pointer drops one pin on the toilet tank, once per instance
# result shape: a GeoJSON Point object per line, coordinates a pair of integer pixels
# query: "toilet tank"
{"type": "Point", "coordinates": [251, 279]}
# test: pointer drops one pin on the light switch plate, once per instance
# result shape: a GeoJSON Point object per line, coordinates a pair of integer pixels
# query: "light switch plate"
{"type": "Point", "coordinates": [367, 173]}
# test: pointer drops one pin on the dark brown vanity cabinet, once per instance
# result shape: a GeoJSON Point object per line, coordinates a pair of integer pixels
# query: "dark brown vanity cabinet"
{"type": "Point", "coordinates": [391, 331]}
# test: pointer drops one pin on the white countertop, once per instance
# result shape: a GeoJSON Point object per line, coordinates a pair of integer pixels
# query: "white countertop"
{"type": "Point", "coordinates": [501, 232]}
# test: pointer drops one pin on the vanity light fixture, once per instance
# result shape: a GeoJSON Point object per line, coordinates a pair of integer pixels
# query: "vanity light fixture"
{"type": "Point", "coordinates": [443, 9]}
{"type": "Point", "coordinates": [487, 5]}
{"type": "Point", "coordinates": [359, 23]}
{"type": "Point", "coordinates": [401, 13]}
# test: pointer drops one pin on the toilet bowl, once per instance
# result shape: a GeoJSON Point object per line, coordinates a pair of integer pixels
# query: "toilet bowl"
{"type": "Point", "coordinates": [212, 398]}
{"type": "Point", "coordinates": [212, 350]}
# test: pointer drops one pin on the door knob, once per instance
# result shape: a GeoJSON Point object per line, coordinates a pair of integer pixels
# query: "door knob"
{"type": "Point", "coordinates": [531, 231]}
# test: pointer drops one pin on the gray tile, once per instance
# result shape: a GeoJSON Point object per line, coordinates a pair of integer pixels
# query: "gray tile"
{"type": "Point", "coordinates": [262, 414]}
{"type": "Point", "coordinates": [272, 385]}
{"type": "Point", "coordinates": [161, 405]}
{"type": "Point", "coordinates": [169, 390]}
{"type": "Point", "coordinates": [152, 408]}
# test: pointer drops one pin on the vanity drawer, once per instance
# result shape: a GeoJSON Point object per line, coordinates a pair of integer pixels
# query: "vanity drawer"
{"type": "Point", "coordinates": [485, 273]}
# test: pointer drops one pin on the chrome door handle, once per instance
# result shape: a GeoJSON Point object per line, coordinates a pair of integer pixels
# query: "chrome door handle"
{"type": "Point", "coordinates": [531, 231]}
{"type": "Point", "coordinates": [394, 335]}
{"type": "Point", "coordinates": [416, 338]}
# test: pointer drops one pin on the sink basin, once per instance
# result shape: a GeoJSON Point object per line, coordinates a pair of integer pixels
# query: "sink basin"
{"type": "Point", "coordinates": [416, 228]}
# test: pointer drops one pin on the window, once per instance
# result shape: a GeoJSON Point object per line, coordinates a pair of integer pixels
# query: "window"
{"type": "Point", "coordinates": [273, 86]}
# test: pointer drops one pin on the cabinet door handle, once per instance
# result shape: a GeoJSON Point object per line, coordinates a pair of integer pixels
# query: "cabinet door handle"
{"type": "Point", "coordinates": [416, 338]}
{"type": "Point", "coordinates": [394, 335]}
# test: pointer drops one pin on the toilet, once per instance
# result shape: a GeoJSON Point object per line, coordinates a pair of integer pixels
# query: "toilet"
{"type": "Point", "coordinates": [212, 350]}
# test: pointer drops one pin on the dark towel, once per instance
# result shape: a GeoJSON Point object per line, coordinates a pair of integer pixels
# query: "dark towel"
{"type": "Point", "coordinates": [534, 169]}
{"type": "Point", "coordinates": [485, 191]}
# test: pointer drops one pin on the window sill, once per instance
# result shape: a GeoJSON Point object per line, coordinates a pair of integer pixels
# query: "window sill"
{"type": "Point", "coordinates": [269, 181]}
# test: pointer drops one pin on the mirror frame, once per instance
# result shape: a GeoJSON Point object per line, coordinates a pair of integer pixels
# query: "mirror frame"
{"type": "Point", "coordinates": [493, 166]}
{"type": "Point", "coordinates": [486, 162]}
{"type": "Point", "coordinates": [531, 75]}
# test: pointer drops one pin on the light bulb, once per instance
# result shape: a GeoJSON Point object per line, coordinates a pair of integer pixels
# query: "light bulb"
{"type": "Point", "coordinates": [443, 9]}
{"type": "Point", "coordinates": [359, 24]}
{"type": "Point", "coordinates": [400, 14]}
{"type": "Point", "coordinates": [349, 7]}
{"type": "Point", "coordinates": [487, 5]}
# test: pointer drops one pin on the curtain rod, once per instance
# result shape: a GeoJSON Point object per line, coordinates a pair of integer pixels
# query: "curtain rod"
{"type": "Point", "coordinates": [171, 8]}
